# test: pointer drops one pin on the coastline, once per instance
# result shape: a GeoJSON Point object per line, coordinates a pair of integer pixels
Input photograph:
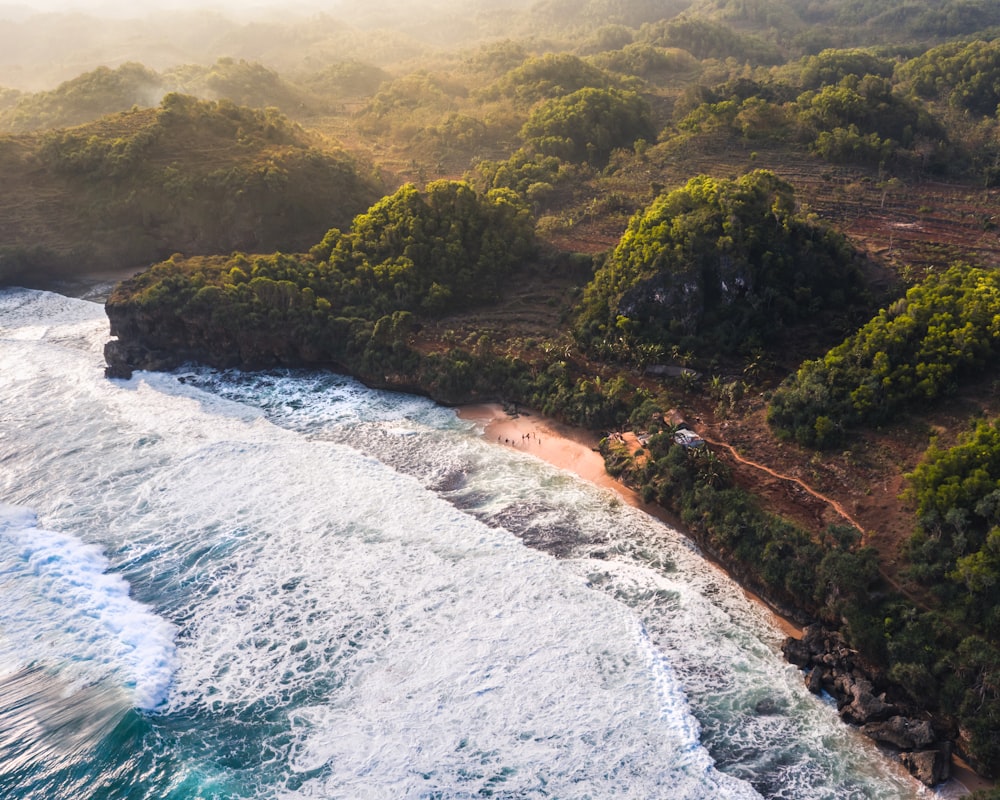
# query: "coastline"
{"type": "Point", "coordinates": [572, 449]}
{"type": "Point", "coordinates": [575, 450]}
{"type": "Point", "coordinates": [94, 286]}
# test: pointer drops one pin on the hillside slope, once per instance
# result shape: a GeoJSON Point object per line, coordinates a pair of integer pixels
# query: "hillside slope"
{"type": "Point", "coordinates": [190, 176]}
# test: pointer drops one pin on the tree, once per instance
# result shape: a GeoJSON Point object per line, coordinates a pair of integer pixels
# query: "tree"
{"type": "Point", "coordinates": [588, 124]}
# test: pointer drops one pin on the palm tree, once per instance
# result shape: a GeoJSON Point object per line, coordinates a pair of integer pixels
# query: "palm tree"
{"type": "Point", "coordinates": [711, 470]}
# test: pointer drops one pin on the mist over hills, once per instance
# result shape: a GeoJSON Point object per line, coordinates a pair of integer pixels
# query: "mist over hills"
{"type": "Point", "coordinates": [44, 43]}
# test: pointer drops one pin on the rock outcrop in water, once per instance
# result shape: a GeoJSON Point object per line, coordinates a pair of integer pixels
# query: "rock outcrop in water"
{"type": "Point", "coordinates": [924, 742]}
{"type": "Point", "coordinates": [164, 338]}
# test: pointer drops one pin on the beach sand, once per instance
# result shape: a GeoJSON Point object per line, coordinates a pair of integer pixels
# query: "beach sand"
{"type": "Point", "coordinates": [575, 450]}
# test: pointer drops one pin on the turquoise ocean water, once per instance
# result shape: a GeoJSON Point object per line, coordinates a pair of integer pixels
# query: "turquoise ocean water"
{"type": "Point", "coordinates": [285, 585]}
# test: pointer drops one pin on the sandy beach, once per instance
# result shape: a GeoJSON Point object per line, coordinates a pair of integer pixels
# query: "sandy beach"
{"type": "Point", "coordinates": [575, 450]}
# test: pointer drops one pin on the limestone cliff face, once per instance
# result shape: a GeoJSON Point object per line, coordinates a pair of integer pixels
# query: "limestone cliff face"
{"type": "Point", "coordinates": [164, 337]}
{"type": "Point", "coordinates": [156, 338]}
{"type": "Point", "coordinates": [145, 341]}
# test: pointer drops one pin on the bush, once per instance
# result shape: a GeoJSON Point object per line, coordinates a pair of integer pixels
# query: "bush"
{"type": "Point", "coordinates": [912, 352]}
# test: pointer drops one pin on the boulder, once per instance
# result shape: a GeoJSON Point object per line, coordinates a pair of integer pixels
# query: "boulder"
{"type": "Point", "coordinates": [819, 640]}
{"type": "Point", "coordinates": [863, 706]}
{"type": "Point", "coordinates": [902, 732]}
{"type": "Point", "coordinates": [797, 652]}
{"type": "Point", "coordinates": [814, 680]}
{"type": "Point", "coordinates": [930, 767]}
{"type": "Point", "coordinates": [766, 706]}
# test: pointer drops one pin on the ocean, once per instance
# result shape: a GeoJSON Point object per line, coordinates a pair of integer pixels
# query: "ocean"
{"type": "Point", "coordinates": [286, 585]}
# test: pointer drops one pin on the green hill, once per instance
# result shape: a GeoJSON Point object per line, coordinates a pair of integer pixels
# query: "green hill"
{"type": "Point", "coordinates": [105, 91]}
{"type": "Point", "coordinates": [190, 176]}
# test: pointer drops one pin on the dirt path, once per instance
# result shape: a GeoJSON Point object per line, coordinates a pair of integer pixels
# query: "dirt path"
{"type": "Point", "coordinates": [920, 602]}
{"type": "Point", "coordinates": [805, 487]}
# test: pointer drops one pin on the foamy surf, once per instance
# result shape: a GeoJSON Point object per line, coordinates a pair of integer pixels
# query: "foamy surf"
{"type": "Point", "coordinates": [70, 615]}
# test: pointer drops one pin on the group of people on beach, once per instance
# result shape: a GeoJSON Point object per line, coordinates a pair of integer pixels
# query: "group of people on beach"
{"type": "Point", "coordinates": [524, 437]}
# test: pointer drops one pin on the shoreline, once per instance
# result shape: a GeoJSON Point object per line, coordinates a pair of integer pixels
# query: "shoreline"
{"type": "Point", "coordinates": [566, 447]}
{"type": "Point", "coordinates": [94, 286]}
{"type": "Point", "coordinates": [575, 450]}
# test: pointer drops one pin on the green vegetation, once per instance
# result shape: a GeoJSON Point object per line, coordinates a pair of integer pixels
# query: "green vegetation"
{"type": "Point", "coordinates": [655, 64]}
{"type": "Point", "coordinates": [550, 76]}
{"type": "Point", "coordinates": [439, 250]}
{"type": "Point", "coordinates": [531, 175]}
{"type": "Point", "coordinates": [85, 98]}
{"type": "Point", "coordinates": [106, 91]}
{"type": "Point", "coordinates": [588, 124]}
{"type": "Point", "coordinates": [705, 39]}
{"type": "Point", "coordinates": [955, 549]}
{"type": "Point", "coordinates": [950, 655]}
{"type": "Point", "coordinates": [191, 176]}
{"type": "Point", "coordinates": [349, 300]}
{"type": "Point", "coordinates": [830, 67]}
{"type": "Point", "coordinates": [830, 577]}
{"type": "Point", "coordinates": [964, 74]}
{"type": "Point", "coordinates": [912, 352]}
{"type": "Point", "coordinates": [717, 266]}
{"type": "Point", "coordinates": [845, 116]}
{"type": "Point", "coordinates": [347, 79]}
{"type": "Point", "coordinates": [862, 119]}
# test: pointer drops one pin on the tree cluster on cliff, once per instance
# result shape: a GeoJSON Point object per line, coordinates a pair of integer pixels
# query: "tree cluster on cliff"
{"type": "Point", "coordinates": [943, 331]}
{"type": "Point", "coordinates": [718, 266]}
{"type": "Point", "coordinates": [350, 300]}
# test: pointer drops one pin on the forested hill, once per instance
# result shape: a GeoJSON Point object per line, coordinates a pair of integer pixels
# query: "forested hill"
{"type": "Point", "coordinates": [189, 176]}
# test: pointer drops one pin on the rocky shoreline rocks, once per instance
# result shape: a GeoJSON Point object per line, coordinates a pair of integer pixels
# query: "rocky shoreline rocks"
{"type": "Point", "coordinates": [923, 742]}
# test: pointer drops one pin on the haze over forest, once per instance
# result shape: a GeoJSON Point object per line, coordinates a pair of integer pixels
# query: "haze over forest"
{"type": "Point", "coordinates": [44, 43]}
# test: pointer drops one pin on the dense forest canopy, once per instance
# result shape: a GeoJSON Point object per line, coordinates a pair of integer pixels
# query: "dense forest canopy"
{"type": "Point", "coordinates": [915, 351]}
{"type": "Point", "coordinates": [719, 266]}
{"type": "Point", "coordinates": [588, 124]}
{"type": "Point", "coordinates": [190, 176]}
{"type": "Point", "coordinates": [444, 249]}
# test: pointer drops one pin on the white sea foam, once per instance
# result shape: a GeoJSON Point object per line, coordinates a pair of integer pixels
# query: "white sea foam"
{"type": "Point", "coordinates": [353, 615]}
{"type": "Point", "coordinates": [65, 611]}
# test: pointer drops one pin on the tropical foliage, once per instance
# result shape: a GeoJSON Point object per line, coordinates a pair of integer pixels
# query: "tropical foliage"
{"type": "Point", "coordinates": [912, 352]}
{"type": "Point", "coordinates": [350, 300]}
{"type": "Point", "coordinates": [718, 265]}
{"type": "Point", "coordinates": [588, 124]}
{"type": "Point", "coordinates": [967, 75]}
{"type": "Point", "coordinates": [190, 176]}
